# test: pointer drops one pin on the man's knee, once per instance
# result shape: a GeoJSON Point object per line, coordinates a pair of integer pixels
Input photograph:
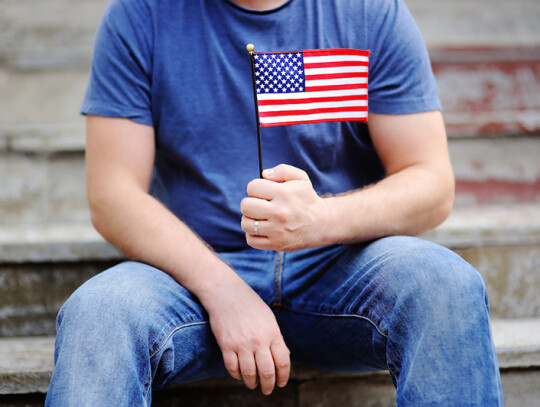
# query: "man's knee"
{"type": "Point", "coordinates": [430, 277]}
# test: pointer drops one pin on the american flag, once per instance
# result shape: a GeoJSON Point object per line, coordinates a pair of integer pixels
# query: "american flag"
{"type": "Point", "coordinates": [311, 86]}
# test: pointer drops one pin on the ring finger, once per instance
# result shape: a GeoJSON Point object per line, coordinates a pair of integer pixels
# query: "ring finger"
{"type": "Point", "coordinates": [254, 227]}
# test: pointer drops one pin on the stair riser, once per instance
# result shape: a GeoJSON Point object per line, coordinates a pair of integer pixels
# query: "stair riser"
{"type": "Point", "coordinates": [39, 188]}
{"type": "Point", "coordinates": [499, 170]}
{"type": "Point", "coordinates": [489, 91]}
{"type": "Point", "coordinates": [511, 277]}
{"type": "Point", "coordinates": [32, 294]}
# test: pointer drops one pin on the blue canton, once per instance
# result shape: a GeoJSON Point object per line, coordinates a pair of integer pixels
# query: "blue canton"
{"type": "Point", "coordinates": [279, 72]}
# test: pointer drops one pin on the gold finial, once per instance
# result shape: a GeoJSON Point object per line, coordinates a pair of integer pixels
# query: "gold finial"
{"type": "Point", "coordinates": [250, 48]}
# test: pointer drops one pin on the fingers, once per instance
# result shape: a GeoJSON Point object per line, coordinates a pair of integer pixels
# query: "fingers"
{"type": "Point", "coordinates": [248, 226]}
{"type": "Point", "coordinates": [262, 189]}
{"type": "Point", "coordinates": [282, 362]}
{"type": "Point", "coordinates": [284, 172]}
{"type": "Point", "coordinates": [230, 360]}
{"type": "Point", "coordinates": [255, 208]}
{"type": "Point", "coordinates": [272, 366]}
{"type": "Point", "coordinates": [248, 369]}
{"type": "Point", "coordinates": [267, 371]}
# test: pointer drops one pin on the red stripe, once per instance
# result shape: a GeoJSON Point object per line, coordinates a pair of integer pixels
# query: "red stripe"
{"type": "Point", "coordinates": [310, 100]}
{"type": "Point", "coordinates": [337, 76]}
{"type": "Point", "coordinates": [314, 111]}
{"type": "Point", "coordinates": [336, 64]}
{"type": "Point", "coordinates": [343, 119]}
{"type": "Point", "coordinates": [335, 51]}
{"type": "Point", "coordinates": [336, 87]}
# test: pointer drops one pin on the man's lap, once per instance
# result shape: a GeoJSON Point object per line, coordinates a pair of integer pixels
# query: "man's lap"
{"type": "Point", "coordinates": [327, 301]}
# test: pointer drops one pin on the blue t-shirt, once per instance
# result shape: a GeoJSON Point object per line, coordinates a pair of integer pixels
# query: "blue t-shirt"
{"type": "Point", "coordinates": [182, 67]}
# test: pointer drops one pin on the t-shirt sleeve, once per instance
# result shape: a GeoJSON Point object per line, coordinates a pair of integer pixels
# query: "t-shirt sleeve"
{"type": "Point", "coordinates": [121, 72]}
{"type": "Point", "coordinates": [401, 80]}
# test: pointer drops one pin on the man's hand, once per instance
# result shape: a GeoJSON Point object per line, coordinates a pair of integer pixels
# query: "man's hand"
{"type": "Point", "coordinates": [249, 337]}
{"type": "Point", "coordinates": [287, 208]}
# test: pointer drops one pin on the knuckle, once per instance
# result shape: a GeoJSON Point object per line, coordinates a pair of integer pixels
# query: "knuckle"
{"type": "Point", "coordinates": [281, 215]}
{"type": "Point", "coordinates": [267, 374]}
{"type": "Point", "coordinates": [249, 373]}
{"type": "Point", "coordinates": [231, 368]}
{"type": "Point", "coordinates": [283, 363]}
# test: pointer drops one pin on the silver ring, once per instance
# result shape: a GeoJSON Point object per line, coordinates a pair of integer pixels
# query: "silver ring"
{"type": "Point", "coordinates": [256, 228]}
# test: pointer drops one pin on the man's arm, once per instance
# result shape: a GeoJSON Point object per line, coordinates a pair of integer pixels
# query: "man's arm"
{"type": "Point", "coordinates": [119, 157]}
{"type": "Point", "coordinates": [416, 194]}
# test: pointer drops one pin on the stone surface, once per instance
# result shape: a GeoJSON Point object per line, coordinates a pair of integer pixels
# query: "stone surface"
{"type": "Point", "coordinates": [489, 23]}
{"type": "Point", "coordinates": [31, 295]}
{"type": "Point", "coordinates": [41, 98]}
{"type": "Point", "coordinates": [511, 277]}
{"type": "Point", "coordinates": [498, 93]}
{"type": "Point", "coordinates": [517, 342]}
{"type": "Point", "coordinates": [496, 170]}
{"type": "Point", "coordinates": [521, 388]}
{"type": "Point", "coordinates": [489, 225]}
{"type": "Point", "coordinates": [38, 189]}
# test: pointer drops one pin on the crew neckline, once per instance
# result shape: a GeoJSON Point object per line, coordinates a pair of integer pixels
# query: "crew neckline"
{"type": "Point", "coordinates": [252, 11]}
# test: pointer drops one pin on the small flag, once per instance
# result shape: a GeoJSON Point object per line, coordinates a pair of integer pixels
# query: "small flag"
{"type": "Point", "coordinates": [311, 86]}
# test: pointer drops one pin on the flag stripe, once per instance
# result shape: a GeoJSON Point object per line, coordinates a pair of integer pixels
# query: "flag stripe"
{"type": "Point", "coordinates": [334, 51]}
{"type": "Point", "coordinates": [310, 100]}
{"type": "Point", "coordinates": [337, 75]}
{"type": "Point", "coordinates": [313, 118]}
{"type": "Point", "coordinates": [336, 87]}
{"type": "Point", "coordinates": [335, 58]}
{"type": "Point", "coordinates": [341, 64]}
{"type": "Point", "coordinates": [312, 105]}
{"type": "Point", "coordinates": [334, 82]}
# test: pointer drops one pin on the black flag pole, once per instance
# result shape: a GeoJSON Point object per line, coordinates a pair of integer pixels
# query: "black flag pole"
{"type": "Point", "coordinates": [251, 48]}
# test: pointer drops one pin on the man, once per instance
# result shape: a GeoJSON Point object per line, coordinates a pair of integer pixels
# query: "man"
{"type": "Point", "coordinates": [328, 276]}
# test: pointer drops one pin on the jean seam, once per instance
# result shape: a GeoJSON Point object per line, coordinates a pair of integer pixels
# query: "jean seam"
{"type": "Point", "coordinates": [164, 341]}
{"type": "Point", "coordinates": [278, 271]}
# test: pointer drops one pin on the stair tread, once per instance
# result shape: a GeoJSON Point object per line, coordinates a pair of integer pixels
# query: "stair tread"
{"type": "Point", "coordinates": [26, 363]}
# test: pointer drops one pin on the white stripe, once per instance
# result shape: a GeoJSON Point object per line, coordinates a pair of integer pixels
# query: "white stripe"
{"type": "Point", "coordinates": [339, 69]}
{"type": "Point", "coordinates": [308, 95]}
{"type": "Point", "coordinates": [332, 82]}
{"type": "Point", "coordinates": [319, 116]}
{"type": "Point", "coordinates": [313, 105]}
{"type": "Point", "coordinates": [335, 58]}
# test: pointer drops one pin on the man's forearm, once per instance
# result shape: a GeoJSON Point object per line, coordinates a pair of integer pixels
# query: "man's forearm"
{"type": "Point", "coordinates": [144, 230]}
{"type": "Point", "coordinates": [406, 203]}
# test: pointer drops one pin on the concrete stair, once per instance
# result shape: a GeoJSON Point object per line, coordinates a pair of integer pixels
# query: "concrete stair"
{"type": "Point", "coordinates": [486, 57]}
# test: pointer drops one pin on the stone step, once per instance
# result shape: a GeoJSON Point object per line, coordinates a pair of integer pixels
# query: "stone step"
{"type": "Point", "coordinates": [40, 266]}
{"type": "Point", "coordinates": [26, 366]}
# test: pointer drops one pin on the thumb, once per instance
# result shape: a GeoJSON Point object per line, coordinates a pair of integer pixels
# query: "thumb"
{"type": "Point", "coordinates": [284, 172]}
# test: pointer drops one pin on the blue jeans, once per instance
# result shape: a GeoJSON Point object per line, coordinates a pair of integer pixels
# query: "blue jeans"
{"type": "Point", "coordinates": [401, 304]}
